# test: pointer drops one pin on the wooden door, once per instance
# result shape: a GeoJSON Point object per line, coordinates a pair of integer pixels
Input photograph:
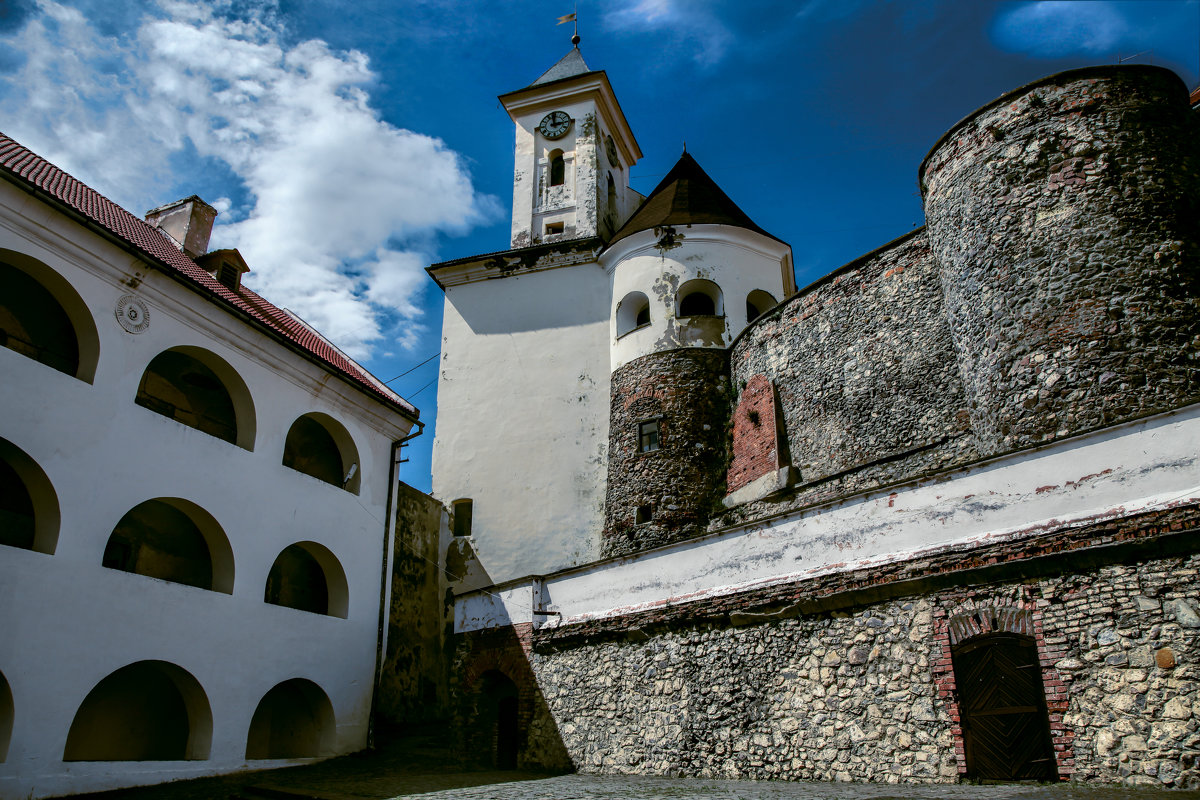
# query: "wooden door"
{"type": "Point", "coordinates": [1006, 731]}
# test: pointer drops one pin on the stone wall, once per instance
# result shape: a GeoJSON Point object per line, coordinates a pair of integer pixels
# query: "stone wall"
{"type": "Point", "coordinates": [1064, 219]}
{"type": "Point", "coordinates": [412, 686]}
{"type": "Point", "coordinates": [866, 374]}
{"type": "Point", "coordinates": [686, 390]}
{"type": "Point", "coordinates": [1055, 291]}
{"type": "Point", "coordinates": [866, 692]}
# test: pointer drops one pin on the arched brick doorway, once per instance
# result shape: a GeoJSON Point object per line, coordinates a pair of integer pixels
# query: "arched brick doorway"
{"type": "Point", "coordinates": [1002, 706]}
{"type": "Point", "coordinates": [497, 722]}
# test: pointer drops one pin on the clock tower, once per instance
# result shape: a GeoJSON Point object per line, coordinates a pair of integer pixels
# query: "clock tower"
{"type": "Point", "coordinates": [573, 152]}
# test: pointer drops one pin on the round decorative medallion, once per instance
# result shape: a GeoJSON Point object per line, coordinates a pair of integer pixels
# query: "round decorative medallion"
{"type": "Point", "coordinates": [610, 147]}
{"type": "Point", "coordinates": [133, 314]}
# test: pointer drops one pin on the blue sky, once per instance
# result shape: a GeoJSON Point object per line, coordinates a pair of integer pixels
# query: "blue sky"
{"type": "Point", "coordinates": [349, 143]}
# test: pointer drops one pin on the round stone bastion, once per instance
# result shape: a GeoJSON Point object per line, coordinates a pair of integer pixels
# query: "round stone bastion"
{"type": "Point", "coordinates": [1064, 220]}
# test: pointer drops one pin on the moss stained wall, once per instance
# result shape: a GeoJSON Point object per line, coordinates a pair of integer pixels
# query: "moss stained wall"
{"type": "Point", "coordinates": [413, 680]}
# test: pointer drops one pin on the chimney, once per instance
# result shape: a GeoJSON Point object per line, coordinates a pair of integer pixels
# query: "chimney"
{"type": "Point", "coordinates": [188, 223]}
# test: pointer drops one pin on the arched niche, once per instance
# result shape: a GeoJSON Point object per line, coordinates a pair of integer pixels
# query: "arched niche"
{"type": "Point", "coordinates": [29, 515]}
{"type": "Point", "coordinates": [497, 704]}
{"type": "Point", "coordinates": [175, 540]}
{"type": "Point", "coordinates": [200, 389]}
{"type": "Point", "coordinates": [306, 576]}
{"type": "Point", "coordinates": [146, 711]}
{"type": "Point", "coordinates": [758, 302]}
{"type": "Point", "coordinates": [293, 720]}
{"type": "Point", "coordinates": [699, 298]}
{"type": "Point", "coordinates": [320, 446]}
{"type": "Point", "coordinates": [632, 313]}
{"type": "Point", "coordinates": [6, 717]}
{"type": "Point", "coordinates": [43, 317]}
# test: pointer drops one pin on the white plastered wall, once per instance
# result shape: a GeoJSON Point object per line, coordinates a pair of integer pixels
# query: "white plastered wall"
{"type": "Point", "coordinates": [739, 261]}
{"type": "Point", "coordinates": [69, 622]}
{"type": "Point", "coordinates": [523, 417]}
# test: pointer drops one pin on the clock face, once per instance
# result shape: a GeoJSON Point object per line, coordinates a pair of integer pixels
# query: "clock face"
{"type": "Point", "coordinates": [610, 147]}
{"type": "Point", "coordinates": [555, 124]}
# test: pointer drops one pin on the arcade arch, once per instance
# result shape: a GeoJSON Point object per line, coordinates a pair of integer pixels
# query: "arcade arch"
{"type": "Point", "coordinates": [146, 711]}
{"type": "Point", "coordinates": [175, 540]}
{"type": "Point", "coordinates": [306, 576]}
{"type": "Point", "coordinates": [320, 446]}
{"type": "Point", "coordinates": [29, 514]}
{"type": "Point", "coordinates": [44, 318]}
{"type": "Point", "coordinates": [199, 389]}
{"type": "Point", "coordinates": [293, 720]}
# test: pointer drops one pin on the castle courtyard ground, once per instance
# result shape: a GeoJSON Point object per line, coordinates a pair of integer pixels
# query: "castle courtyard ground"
{"type": "Point", "coordinates": [408, 767]}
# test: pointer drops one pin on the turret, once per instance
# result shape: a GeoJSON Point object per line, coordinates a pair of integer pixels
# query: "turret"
{"type": "Point", "coordinates": [689, 270]}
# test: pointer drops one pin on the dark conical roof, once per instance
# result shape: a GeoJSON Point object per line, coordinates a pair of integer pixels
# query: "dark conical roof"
{"type": "Point", "coordinates": [687, 196]}
{"type": "Point", "coordinates": [568, 66]}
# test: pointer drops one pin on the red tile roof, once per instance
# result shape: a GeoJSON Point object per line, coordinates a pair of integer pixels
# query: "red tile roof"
{"type": "Point", "coordinates": [24, 167]}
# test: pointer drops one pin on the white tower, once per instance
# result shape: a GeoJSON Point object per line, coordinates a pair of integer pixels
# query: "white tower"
{"type": "Point", "coordinates": [573, 152]}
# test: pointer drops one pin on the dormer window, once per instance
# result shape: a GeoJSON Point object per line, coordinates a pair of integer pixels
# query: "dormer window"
{"type": "Point", "coordinates": [230, 276]}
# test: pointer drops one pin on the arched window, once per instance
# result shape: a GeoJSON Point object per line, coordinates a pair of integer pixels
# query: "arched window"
{"type": "Point", "coordinates": [43, 317]}
{"type": "Point", "coordinates": [293, 720]}
{"type": "Point", "coordinates": [148, 711]}
{"type": "Point", "coordinates": [612, 198]}
{"type": "Point", "coordinates": [632, 312]}
{"type": "Point", "coordinates": [757, 302]}
{"type": "Point", "coordinates": [29, 513]}
{"type": "Point", "coordinates": [173, 540]}
{"type": "Point", "coordinates": [6, 717]}
{"type": "Point", "coordinates": [307, 577]}
{"type": "Point", "coordinates": [558, 168]}
{"type": "Point", "coordinates": [319, 446]}
{"type": "Point", "coordinates": [700, 297]}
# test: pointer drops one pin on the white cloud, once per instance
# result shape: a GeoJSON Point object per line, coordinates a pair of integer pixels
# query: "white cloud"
{"type": "Point", "coordinates": [1055, 28]}
{"type": "Point", "coordinates": [340, 201]}
{"type": "Point", "coordinates": [689, 20]}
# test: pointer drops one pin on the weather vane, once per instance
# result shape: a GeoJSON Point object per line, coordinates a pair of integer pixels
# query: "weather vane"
{"type": "Point", "coordinates": [572, 17]}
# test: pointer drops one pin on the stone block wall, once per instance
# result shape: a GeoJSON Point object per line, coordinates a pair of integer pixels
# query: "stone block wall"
{"type": "Point", "coordinates": [1065, 222]}
{"type": "Point", "coordinates": [686, 390]}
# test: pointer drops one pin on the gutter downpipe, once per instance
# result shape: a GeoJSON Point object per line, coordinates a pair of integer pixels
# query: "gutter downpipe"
{"type": "Point", "coordinates": [385, 583]}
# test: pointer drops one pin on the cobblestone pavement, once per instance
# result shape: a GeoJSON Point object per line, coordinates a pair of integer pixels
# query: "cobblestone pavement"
{"type": "Point", "coordinates": [409, 768]}
{"type": "Point", "coordinates": [585, 787]}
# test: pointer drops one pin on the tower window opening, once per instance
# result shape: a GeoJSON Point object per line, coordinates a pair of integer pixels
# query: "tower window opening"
{"type": "Point", "coordinates": [648, 439]}
{"type": "Point", "coordinates": [555, 228]}
{"type": "Point", "coordinates": [558, 168]}
{"type": "Point", "coordinates": [697, 304]}
{"type": "Point", "coordinates": [643, 514]}
{"type": "Point", "coordinates": [757, 302]}
{"type": "Point", "coordinates": [463, 510]}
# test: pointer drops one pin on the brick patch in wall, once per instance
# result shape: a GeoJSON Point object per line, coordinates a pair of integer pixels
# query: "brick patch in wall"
{"type": "Point", "coordinates": [755, 434]}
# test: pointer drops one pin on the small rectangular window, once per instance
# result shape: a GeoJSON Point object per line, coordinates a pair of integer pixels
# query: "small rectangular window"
{"type": "Point", "coordinates": [462, 517]}
{"type": "Point", "coordinates": [554, 228]}
{"type": "Point", "coordinates": [643, 514]}
{"type": "Point", "coordinates": [647, 436]}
